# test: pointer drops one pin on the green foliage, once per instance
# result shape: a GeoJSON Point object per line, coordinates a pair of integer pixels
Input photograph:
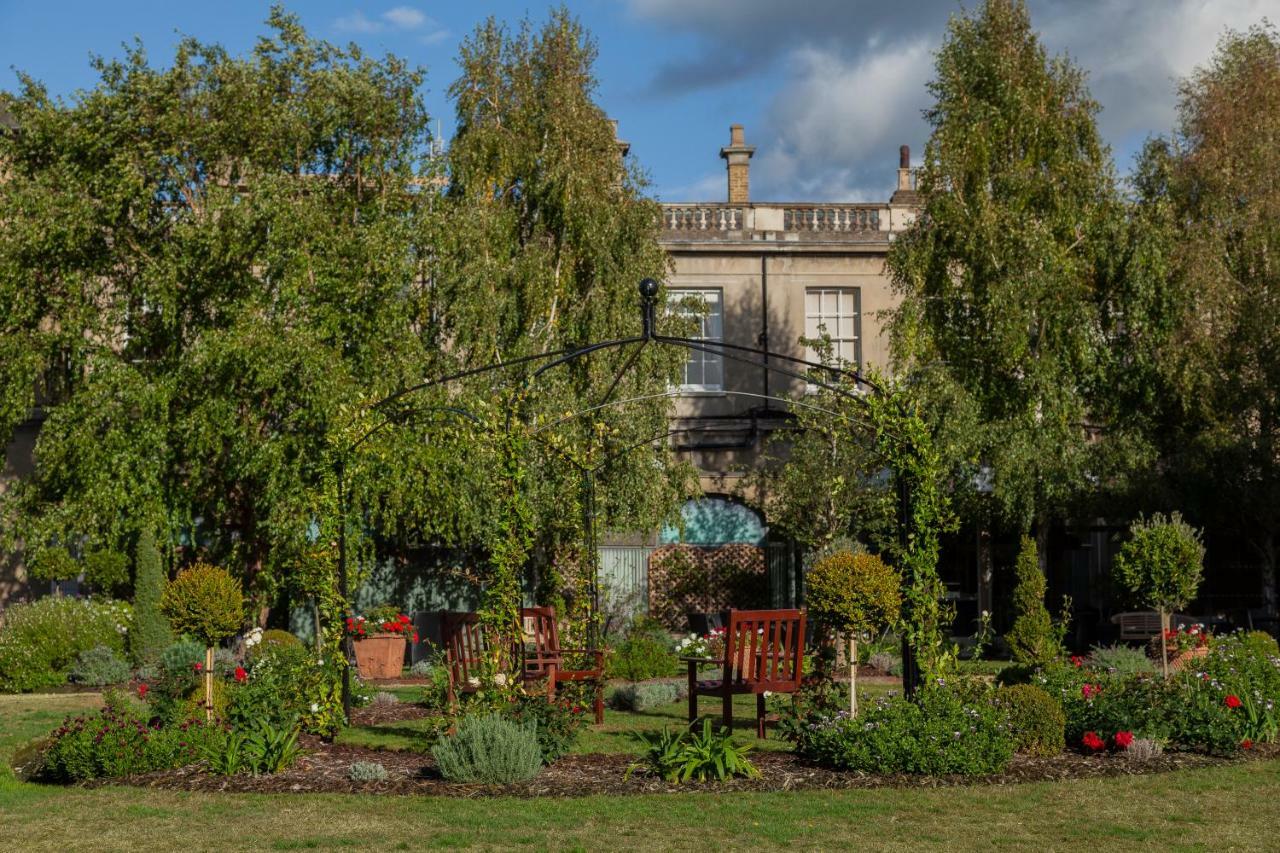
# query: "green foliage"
{"type": "Point", "coordinates": [558, 723]}
{"type": "Point", "coordinates": [1006, 276]}
{"type": "Point", "coordinates": [817, 698]}
{"type": "Point", "coordinates": [366, 771]}
{"type": "Point", "coordinates": [52, 564]}
{"type": "Point", "coordinates": [1161, 563]}
{"type": "Point", "coordinates": [204, 602]}
{"type": "Point", "coordinates": [262, 747]}
{"type": "Point", "coordinates": [151, 632]}
{"type": "Point", "coordinates": [105, 570]}
{"type": "Point", "coordinates": [1120, 659]}
{"type": "Point", "coordinates": [489, 749]}
{"type": "Point", "coordinates": [117, 741]}
{"type": "Point", "coordinates": [1036, 720]}
{"type": "Point", "coordinates": [100, 666]}
{"type": "Point", "coordinates": [641, 697]}
{"type": "Point", "coordinates": [938, 731]}
{"type": "Point", "coordinates": [277, 637]}
{"type": "Point", "coordinates": [693, 755]}
{"type": "Point", "coordinates": [645, 653]}
{"type": "Point", "coordinates": [853, 593]}
{"type": "Point", "coordinates": [1032, 638]}
{"type": "Point", "coordinates": [41, 641]}
{"type": "Point", "coordinates": [287, 686]}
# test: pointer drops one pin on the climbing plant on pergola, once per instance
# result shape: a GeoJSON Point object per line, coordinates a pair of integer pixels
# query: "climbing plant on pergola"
{"type": "Point", "coordinates": [900, 435]}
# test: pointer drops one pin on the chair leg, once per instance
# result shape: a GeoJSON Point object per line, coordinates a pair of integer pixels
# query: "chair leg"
{"type": "Point", "coordinates": [727, 711]}
{"type": "Point", "coordinates": [693, 695]}
{"type": "Point", "coordinates": [760, 715]}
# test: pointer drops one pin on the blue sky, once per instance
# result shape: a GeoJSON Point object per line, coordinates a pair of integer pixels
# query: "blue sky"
{"type": "Point", "coordinates": [827, 89]}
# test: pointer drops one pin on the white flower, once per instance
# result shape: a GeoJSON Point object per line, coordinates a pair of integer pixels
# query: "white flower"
{"type": "Point", "coordinates": [768, 693]}
{"type": "Point", "coordinates": [500, 679]}
{"type": "Point", "coordinates": [315, 708]}
{"type": "Point", "coordinates": [473, 682]}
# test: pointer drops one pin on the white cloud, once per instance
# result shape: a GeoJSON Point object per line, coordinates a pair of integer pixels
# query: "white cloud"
{"type": "Point", "coordinates": [404, 17]}
{"type": "Point", "coordinates": [356, 22]}
{"type": "Point", "coordinates": [397, 18]}
{"type": "Point", "coordinates": [845, 79]}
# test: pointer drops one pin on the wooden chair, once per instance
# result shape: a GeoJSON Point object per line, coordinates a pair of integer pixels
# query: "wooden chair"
{"type": "Point", "coordinates": [763, 651]}
{"type": "Point", "coordinates": [462, 638]}
{"type": "Point", "coordinates": [544, 658]}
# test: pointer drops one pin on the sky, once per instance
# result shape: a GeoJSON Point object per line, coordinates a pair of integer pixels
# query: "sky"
{"type": "Point", "coordinates": [826, 89]}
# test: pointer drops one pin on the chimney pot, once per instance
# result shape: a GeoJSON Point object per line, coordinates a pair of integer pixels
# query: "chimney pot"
{"type": "Point", "coordinates": [737, 156]}
{"type": "Point", "coordinates": [904, 157]}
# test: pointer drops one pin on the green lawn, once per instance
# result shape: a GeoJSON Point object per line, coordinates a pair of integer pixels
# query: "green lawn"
{"type": "Point", "coordinates": [1232, 807]}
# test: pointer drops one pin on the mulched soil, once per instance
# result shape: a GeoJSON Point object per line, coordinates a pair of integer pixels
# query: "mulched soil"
{"type": "Point", "coordinates": [325, 769]}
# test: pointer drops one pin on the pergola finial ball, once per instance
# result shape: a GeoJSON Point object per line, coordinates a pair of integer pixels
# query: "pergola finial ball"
{"type": "Point", "coordinates": [648, 288]}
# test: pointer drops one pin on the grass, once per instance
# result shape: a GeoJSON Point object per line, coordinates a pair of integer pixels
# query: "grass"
{"type": "Point", "coordinates": [1234, 806]}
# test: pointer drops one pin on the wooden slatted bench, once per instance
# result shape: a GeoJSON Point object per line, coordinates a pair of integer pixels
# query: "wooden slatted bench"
{"type": "Point", "coordinates": [1142, 625]}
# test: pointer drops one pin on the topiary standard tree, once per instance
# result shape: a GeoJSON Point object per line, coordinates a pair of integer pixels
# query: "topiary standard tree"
{"type": "Point", "coordinates": [1033, 639]}
{"type": "Point", "coordinates": [1160, 566]}
{"type": "Point", "coordinates": [850, 593]}
{"type": "Point", "coordinates": [205, 602]}
{"type": "Point", "coordinates": [150, 633]}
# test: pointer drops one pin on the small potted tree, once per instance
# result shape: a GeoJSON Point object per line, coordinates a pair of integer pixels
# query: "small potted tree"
{"type": "Point", "coordinates": [204, 602]}
{"type": "Point", "coordinates": [850, 594]}
{"type": "Point", "coordinates": [379, 640]}
{"type": "Point", "coordinates": [1160, 566]}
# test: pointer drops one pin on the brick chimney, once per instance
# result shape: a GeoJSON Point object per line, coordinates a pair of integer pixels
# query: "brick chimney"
{"type": "Point", "coordinates": [737, 155]}
{"type": "Point", "coordinates": [906, 191]}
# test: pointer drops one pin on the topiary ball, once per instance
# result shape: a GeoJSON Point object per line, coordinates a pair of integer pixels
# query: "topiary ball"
{"type": "Point", "coordinates": [1036, 719]}
{"type": "Point", "coordinates": [853, 592]}
{"type": "Point", "coordinates": [205, 602]}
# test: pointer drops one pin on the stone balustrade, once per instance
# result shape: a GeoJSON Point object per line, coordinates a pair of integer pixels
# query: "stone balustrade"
{"type": "Point", "coordinates": [722, 221]}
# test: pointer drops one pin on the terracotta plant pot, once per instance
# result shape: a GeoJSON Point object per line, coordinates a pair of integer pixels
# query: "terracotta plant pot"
{"type": "Point", "coordinates": [380, 656]}
{"type": "Point", "coordinates": [1183, 659]}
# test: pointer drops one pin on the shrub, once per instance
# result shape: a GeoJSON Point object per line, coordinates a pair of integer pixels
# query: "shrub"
{"type": "Point", "coordinates": [1246, 667]}
{"type": "Point", "coordinates": [204, 602]}
{"type": "Point", "coordinates": [1032, 639]}
{"type": "Point", "coordinates": [886, 662]}
{"type": "Point", "coordinates": [935, 732]}
{"type": "Point", "coordinates": [422, 669]}
{"type": "Point", "coordinates": [1260, 643]}
{"type": "Point", "coordinates": [117, 741]}
{"type": "Point", "coordinates": [1160, 566]}
{"type": "Point", "coordinates": [645, 696]}
{"type": "Point", "coordinates": [151, 633]}
{"type": "Point", "coordinates": [261, 748]}
{"type": "Point", "coordinates": [100, 666]}
{"type": "Point", "coordinates": [644, 654]}
{"type": "Point", "coordinates": [1120, 659]}
{"type": "Point", "coordinates": [558, 723]}
{"type": "Point", "coordinates": [41, 641]}
{"type": "Point", "coordinates": [277, 637]}
{"type": "Point", "coordinates": [287, 683]}
{"type": "Point", "coordinates": [382, 697]}
{"type": "Point", "coordinates": [491, 750]}
{"type": "Point", "coordinates": [1036, 720]}
{"type": "Point", "coordinates": [818, 698]}
{"type": "Point", "coordinates": [367, 771]}
{"type": "Point", "coordinates": [850, 594]}
{"type": "Point", "coordinates": [693, 755]}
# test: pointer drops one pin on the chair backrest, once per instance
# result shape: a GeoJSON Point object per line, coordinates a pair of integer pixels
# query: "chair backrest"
{"type": "Point", "coordinates": [463, 639]}
{"type": "Point", "coordinates": [1139, 625]}
{"type": "Point", "coordinates": [765, 648]}
{"type": "Point", "coordinates": [541, 641]}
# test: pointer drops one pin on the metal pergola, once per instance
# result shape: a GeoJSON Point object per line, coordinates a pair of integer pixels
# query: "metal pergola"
{"type": "Point", "coordinates": [816, 374]}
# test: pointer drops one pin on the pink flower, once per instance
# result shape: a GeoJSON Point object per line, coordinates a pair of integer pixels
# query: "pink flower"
{"type": "Point", "coordinates": [197, 666]}
{"type": "Point", "coordinates": [1077, 661]}
{"type": "Point", "coordinates": [1090, 690]}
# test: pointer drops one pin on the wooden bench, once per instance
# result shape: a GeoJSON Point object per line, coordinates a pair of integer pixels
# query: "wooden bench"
{"type": "Point", "coordinates": [462, 637]}
{"type": "Point", "coordinates": [1142, 625]}
{"type": "Point", "coordinates": [763, 652]}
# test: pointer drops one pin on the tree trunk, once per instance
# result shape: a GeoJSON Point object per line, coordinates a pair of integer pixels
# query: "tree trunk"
{"type": "Point", "coordinates": [208, 684]}
{"type": "Point", "coordinates": [1164, 644]}
{"type": "Point", "coordinates": [853, 674]}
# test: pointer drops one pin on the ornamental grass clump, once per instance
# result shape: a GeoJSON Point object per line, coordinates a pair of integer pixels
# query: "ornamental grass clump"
{"type": "Point", "coordinates": [206, 603]}
{"type": "Point", "coordinates": [645, 696]}
{"type": "Point", "coordinates": [1160, 567]}
{"type": "Point", "coordinates": [1120, 659]}
{"type": "Point", "coordinates": [851, 594]}
{"type": "Point", "coordinates": [489, 749]}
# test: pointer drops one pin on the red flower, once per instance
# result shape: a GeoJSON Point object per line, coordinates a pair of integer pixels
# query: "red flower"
{"type": "Point", "coordinates": [1077, 661]}
{"type": "Point", "coordinates": [142, 690]}
{"type": "Point", "coordinates": [1246, 744]}
{"type": "Point", "coordinates": [199, 667]}
{"type": "Point", "coordinates": [1092, 742]}
{"type": "Point", "coordinates": [415, 636]}
{"type": "Point", "coordinates": [1232, 700]}
{"type": "Point", "coordinates": [404, 619]}
{"type": "Point", "coordinates": [1123, 739]}
{"type": "Point", "coordinates": [1090, 690]}
{"type": "Point", "coordinates": [350, 623]}
{"type": "Point", "coordinates": [241, 675]}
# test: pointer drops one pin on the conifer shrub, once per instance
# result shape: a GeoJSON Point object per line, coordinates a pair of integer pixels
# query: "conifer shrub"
{"type": "Point", "coordinates": [151, 633]}
{"type": "Point", "coordinates": [1033, 640]}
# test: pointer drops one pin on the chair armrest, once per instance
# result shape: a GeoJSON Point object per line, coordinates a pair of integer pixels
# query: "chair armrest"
{"type": "Point", "coordinates": [700, 660]}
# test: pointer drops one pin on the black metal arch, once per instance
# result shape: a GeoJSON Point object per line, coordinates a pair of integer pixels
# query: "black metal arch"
{"type": "Point", "coordinates": [811, 372]}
